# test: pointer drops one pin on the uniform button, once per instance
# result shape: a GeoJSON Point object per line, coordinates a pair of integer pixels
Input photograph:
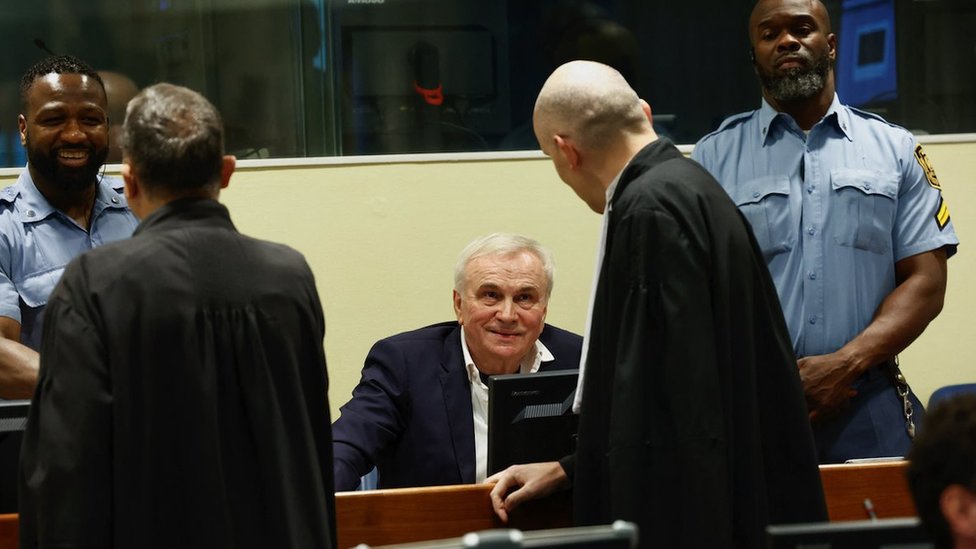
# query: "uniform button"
{"type": "Point", "coordinates": [30, 213]}
{"type": "Point", "coordinates": [867, 187]}
{"type": "Point", "coordinates": [813, 320]}
{"type": "Point", "coordinates": [810, 189]}
{"type": "Point", "coordinates": [811, 231]}
{"type": "Point", "coordinates": [755, 194]}
{"type": "Point", "coordinates": [115, 200]}
{"type": "Point", "coordinates": [813, 276]}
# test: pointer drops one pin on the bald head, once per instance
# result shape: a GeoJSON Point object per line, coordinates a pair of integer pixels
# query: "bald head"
{"type": "Point", "coordinates": [765, 10]}
{"type": "Point", "coordinates": [590, 103]}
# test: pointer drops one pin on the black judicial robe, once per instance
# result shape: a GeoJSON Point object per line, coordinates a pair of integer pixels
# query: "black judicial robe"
{"type": "Point", "coordinates": [182, 399]}
{"type": "Point", "coordinates": [693, 421]}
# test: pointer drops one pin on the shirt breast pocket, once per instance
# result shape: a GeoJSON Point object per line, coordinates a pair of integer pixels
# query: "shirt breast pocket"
{"type": "Point", "coordinates": [35, 289]}
{"type": "Point", "coordinates": [864, 208]}
{"type": "Point", "coordinates": [765, 202]}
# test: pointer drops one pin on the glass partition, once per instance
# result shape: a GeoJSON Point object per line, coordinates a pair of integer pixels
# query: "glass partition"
{"type": "Point", "coordinates": [296, 78]}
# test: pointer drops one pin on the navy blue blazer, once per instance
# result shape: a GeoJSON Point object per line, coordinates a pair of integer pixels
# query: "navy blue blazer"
{"type": "Point", "coordinates": [410, 415]}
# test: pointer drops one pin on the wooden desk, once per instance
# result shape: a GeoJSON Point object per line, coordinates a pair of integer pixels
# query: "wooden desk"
{"type": "Point", "coordinates": [847, 486]}
{"type": "Point", "coordinates": [383, 517]}
{"type": "Point", "coordinates": [397, 516]}
{"type": "Point", "coordinates": [8, 532]}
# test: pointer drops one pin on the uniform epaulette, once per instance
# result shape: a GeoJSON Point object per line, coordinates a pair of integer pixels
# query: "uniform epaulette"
{"type": "Point", "coordinates": [872, 116]}
{"type": "Point", "coordinates": [730, 122]}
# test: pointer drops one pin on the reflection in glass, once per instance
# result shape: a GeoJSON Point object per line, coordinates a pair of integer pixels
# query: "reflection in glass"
{"type": "Point", "coordinates": [300, 78]}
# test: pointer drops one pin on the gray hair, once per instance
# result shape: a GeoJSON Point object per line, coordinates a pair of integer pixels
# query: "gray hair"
{"type": "Point", "coordinates": [503, 244]}
{"type": "Point", "coordinates": [174, 139]}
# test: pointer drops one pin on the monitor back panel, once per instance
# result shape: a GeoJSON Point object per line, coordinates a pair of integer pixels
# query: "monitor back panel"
{"type": "Point", "coordinates": [530, 418]}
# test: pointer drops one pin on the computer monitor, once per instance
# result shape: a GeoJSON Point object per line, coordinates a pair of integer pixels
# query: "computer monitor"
{"type": "Point", "coordinates": [530, 418]}
{"type": "Point", "coordinates": [619, 535]}
{"type": "Point", "coordinates": [13, 417]}
{"type": "Point", "coordinates": [900, 533]}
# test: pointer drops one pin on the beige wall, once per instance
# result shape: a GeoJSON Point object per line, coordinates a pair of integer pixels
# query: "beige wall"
{"type": "Point", "coordinates": [382, 240]}
{"type": "Point", "coordinates": [946, 352]}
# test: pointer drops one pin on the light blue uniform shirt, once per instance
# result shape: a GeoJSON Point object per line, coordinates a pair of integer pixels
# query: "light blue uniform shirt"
{"type": "Point", "coordinates": [37, 241]}
{"type": "Point", "coordinates": [833, 210]}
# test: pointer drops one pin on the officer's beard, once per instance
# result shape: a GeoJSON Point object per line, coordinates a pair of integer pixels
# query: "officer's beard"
{"type": "Point", "coordinates": [68, 179]}
{"type": "Point", "coordinates": [796, 83]}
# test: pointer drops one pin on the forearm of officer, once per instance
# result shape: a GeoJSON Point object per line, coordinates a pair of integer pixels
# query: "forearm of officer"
{"type": "Point", "coordinates": [899, 320]}
{"type": "Point", "coordinates": [903, 315]}
{"type": "Point", "coordinates": [18, 363]}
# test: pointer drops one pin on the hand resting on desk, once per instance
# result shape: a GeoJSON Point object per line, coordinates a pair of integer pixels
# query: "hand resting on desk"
{"type": "Point", "coordinates": [520, 483]}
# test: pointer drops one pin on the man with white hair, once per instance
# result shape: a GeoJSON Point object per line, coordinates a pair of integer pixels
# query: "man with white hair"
{"type": "Point", "coordinates": [419, 413]}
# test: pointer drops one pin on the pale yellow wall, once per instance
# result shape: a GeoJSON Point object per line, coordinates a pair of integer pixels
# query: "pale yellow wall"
{"type": "Point", "coordinates": [946, 352]}
{"type": "Point", "coordinates": [382, 240]}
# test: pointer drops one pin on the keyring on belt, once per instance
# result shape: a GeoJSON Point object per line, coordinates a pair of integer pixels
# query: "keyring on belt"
{"type": "Point", "coordinates": [901, 386]}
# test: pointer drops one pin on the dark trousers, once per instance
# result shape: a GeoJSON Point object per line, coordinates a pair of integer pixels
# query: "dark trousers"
{"type": "Point", "coordinates": [873, 425]}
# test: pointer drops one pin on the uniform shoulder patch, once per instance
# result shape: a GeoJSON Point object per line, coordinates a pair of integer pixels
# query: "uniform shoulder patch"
{"type": "Point", "coordinates": [942, 214]}
{"type": "Point", "coordinates": [923, 161]}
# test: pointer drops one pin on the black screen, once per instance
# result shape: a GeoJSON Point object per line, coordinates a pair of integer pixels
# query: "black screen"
{"type": "Point", "coordinates": [530, 418]}
{"type": "Point", "coordinates": [13, 417]}
{"type": "Point", "coordinates": [906, 533]}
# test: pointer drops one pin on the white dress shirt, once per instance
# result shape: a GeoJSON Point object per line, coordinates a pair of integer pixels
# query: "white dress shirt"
{"type": "Point", "coordinates": [479, 400]}
{"type": "Point", "coordinates": [578, 401]}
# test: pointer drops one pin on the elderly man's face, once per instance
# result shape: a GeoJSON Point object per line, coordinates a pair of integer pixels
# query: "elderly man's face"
{"type": "Point", "coordinates": [502, 309]}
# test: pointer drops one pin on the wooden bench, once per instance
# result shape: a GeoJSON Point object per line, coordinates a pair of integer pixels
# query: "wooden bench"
{"type": "Point", "coordinates": [383, 517]}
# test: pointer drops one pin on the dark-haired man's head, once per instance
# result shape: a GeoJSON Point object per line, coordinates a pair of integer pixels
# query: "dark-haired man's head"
{"type": "Point", "coordinates": [63, 124]}
{"type": "Point", "coordinates": [56, 64]}
{"type": "Point", "coordinates": [173, 146]}
{"type": "Point", "coordinates": [942, 472]}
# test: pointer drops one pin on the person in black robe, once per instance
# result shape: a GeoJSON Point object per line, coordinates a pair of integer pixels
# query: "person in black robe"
{"type": "Point", "coordinates": [182, 398]}
{"type": "Point", "coordinates": [692, 418]}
